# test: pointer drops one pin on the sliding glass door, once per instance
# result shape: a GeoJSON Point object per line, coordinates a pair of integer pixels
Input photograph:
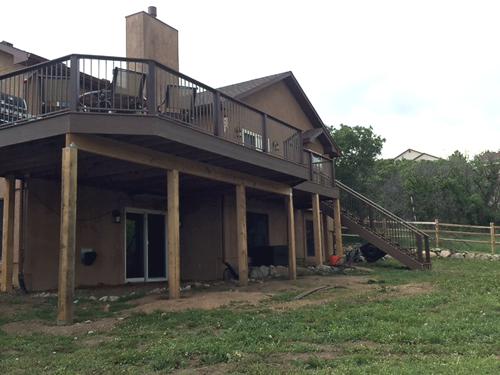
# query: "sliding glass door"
{"type": "Point", "coordinates": [145, 246]}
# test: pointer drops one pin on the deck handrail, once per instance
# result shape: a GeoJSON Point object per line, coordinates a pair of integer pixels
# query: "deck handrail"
{"type": "Point", "coordinates": [407, 224]}
{"type": "Point", "coordinates": [384, 223]}
{"type": "Point", "coordinates": [57, 79]}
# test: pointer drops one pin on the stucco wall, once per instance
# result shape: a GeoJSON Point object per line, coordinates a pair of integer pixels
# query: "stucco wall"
{"type": "Point", "coordinates": [95, 229]}
{"type": "Point", "coordinates": [278, 101]}
{"type": "Point", "coordinates": [208, 233]}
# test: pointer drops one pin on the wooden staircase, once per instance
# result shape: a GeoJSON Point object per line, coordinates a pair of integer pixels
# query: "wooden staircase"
{"type": "Point", "coordinates": [381, 228]}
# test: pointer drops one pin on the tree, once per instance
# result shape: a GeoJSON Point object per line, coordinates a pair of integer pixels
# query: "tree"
{"type": "Point", "coordinates": [360, 147]}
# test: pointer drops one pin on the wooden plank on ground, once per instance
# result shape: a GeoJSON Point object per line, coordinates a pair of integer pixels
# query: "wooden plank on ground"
{"type": "Point", "coordinates": [67, 235]}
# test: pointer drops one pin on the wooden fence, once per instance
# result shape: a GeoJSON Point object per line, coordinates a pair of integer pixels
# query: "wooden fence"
{"type": "Point", "coordinates": [473, 234]}
{"type": "Point", "coordinates": [485, 237]}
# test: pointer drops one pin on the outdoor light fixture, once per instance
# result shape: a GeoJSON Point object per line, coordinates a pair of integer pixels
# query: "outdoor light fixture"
{"type": "Point", "coordinates": [117, 216]}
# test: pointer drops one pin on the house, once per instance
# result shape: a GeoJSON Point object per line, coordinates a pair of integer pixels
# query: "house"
{"type": "Point", "coordinates": [415, 155]}
{"type": "Point", "coordinates": [123, 170]}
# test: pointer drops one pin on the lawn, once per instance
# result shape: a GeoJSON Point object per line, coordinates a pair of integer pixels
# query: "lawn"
{"type": "Point", "coordinates": [451, 327]}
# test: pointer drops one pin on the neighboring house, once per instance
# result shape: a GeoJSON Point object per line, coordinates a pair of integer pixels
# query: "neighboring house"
{"type": "Point", "coordinates": [12, 58]}
{"type": "Point", "coordinates": [411, 154]}
{"type": "Point", "coordinates": [129, 171]}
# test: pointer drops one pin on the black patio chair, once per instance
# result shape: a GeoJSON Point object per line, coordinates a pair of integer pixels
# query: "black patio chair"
{"type": "Point", "coordinates": [179, 103]}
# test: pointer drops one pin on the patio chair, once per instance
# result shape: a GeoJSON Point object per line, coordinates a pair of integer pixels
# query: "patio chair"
{"type": "Point", "coordinates": [127, 90]}
{"type": "Point", "coordinates": [179, 102]}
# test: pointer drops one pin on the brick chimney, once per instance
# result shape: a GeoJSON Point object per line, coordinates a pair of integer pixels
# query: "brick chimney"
{"type": "Point", "coordinates": [149, 38]}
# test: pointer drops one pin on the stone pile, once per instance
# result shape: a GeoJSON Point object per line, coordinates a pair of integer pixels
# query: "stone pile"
{"type": "Point", "coordinates": [281, 272]}
{"type": "Point", "coordinates": [445, 253]}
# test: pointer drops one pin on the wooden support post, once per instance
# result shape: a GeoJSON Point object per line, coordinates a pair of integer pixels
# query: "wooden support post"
{"type": "Point", "coordinates": [8, 234]}
{"type": "Point", "coordinates": [338, 230]}
{"type": "Point", "coordinates": [329, 244]}
{"type": "Point", "coordinates": [318, 248]}
{"type": "Point", "coordinates": [492, 234]}
{"type": "Point", "coordinates": [436, 232]}
{"type": "Point", "coordinates": [173, 233]}
{"type": "Point", "coordinates": [241, 227]}
{"type": "Point", "coordinates": [69, 177]}
{"type": "Point", "coordinates": [292, 257]}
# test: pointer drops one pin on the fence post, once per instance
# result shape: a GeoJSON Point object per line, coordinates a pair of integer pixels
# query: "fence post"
{"type": "Point", "coordinates": [436, 232]}
{"type": "Point", "coordinates": [492, 240]}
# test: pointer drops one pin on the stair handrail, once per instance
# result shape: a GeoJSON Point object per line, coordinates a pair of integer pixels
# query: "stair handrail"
{"type": "Point", "coordinates": [382, 209]}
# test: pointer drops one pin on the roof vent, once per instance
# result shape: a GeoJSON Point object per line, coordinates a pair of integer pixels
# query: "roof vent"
{"type": "Point", "coordinates": [152, 11]}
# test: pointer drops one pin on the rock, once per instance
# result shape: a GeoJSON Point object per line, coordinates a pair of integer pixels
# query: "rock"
{"type": "Point", "coordinates": [432, 254]}
{"type": "Point", "coordinates": [445, 253]}
{"type": "Point", "coordinates": [303, 271]}
{"type": "Point", "coordinates": [324, 269]}
{"type": "Point", "coordinates": [157, 291]}
{"type": "Point", "coordinates": [470, 256]}
{"type": "Point", "coordinates": [93, 298]}
{"type": "Point", "coordinates": [457, 256]}
{"type": "Point", "coordinates": [264, 270]}
{"type": "Point", "coordinates": [256, 273]}
{"type": "Point", "coordinates": [280, 271]}
{"type": "Point", "coordinates": [113, 298]}
{"type": "Point", "coordinates": [103, 299]}
{"type": "Point", "coordinates": [106, 308]}
{"type": "Point", "coordinates": [186, 288]}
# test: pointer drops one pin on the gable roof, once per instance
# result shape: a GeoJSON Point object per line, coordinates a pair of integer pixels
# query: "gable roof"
{"type": "Point", "coordinates": [244, 89]}
{"type": "Point", "coordinates": [20, 56]}
{"type": "Point", "coordinates": [421, 154]}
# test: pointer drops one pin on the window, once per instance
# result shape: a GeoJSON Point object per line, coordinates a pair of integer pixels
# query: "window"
{"type": "Point", "coordinates": [1, 227]}
{"type": "Point", "coordinates": [252, 139]}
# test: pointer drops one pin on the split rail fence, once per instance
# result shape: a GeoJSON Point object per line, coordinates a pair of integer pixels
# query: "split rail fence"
{"type": "Point", "coordinates": [465, 237]}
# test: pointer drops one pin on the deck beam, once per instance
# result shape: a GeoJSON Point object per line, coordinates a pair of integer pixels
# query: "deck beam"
{"type": "Point", "coordinates": [173, 234]}
{"type": "Point", "coordinates": [241, 234]}
{"type": "Point", "coordinates": [66, 286]}
{"type": "Point", "coordinates": [8, 234]}
{"type": "Point", "coordinates": [339, 248]}
{"type": "Point", "coordinates": [292, 260]}
{"type": "Point", "coordinates": [318, 243]}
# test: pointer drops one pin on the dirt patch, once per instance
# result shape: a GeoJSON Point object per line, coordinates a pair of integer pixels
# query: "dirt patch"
{"type": "Point", "coordinates": [406, 290]}
{"type": "Point", "coordinates": [205, 301]}
{"type": "Point", "coordinates": [77, 329]}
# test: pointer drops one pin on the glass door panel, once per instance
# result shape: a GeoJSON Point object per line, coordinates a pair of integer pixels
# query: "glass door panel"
{"type": "Point", "coordinates": [134, 246]}
{"type": "Point", "coordinates": [156, 247]}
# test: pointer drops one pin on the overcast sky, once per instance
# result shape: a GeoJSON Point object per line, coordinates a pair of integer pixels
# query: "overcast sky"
{"type": "Point", "coordinates": [424, 74]}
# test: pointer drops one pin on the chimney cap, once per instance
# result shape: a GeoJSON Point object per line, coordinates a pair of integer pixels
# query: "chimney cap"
{"type": "Point", "coordinates": [152, 11]}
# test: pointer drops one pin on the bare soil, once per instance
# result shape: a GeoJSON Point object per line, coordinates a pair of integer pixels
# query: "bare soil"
{"type": "Point", "coordinates": [216, 297]}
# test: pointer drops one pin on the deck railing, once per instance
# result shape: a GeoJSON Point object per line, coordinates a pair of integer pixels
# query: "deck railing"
{"type": "Point", "coordinates": [320, 168]}
{"type": "Point", "coordinates": [385, 224]}
{"type": "Point", "coordinates": [88, 83]}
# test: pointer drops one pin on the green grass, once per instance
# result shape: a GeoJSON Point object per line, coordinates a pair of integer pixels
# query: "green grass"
{"type": "Point", "coordinates": [453, 329]}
